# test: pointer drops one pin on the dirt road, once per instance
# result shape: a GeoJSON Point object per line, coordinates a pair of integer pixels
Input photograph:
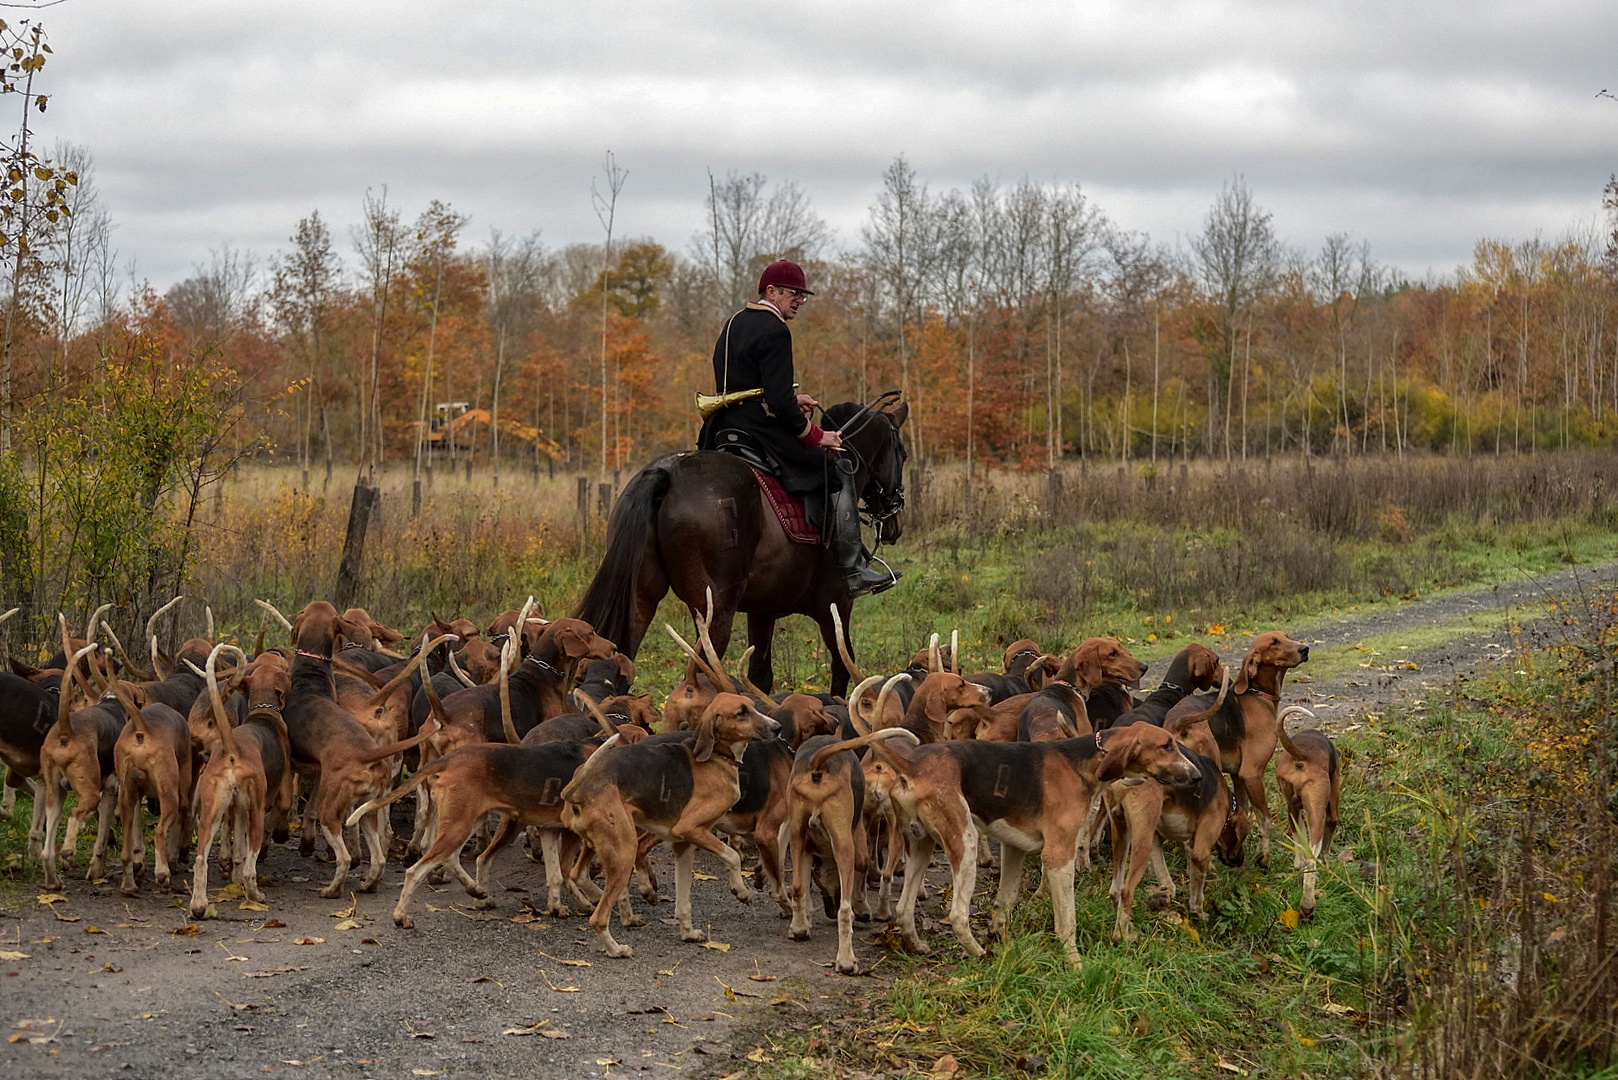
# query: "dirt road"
{"type": "Point", "coordinates": [111, 987]}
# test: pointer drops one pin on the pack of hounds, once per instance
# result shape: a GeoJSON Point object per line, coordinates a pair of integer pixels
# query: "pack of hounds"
{"type": "Point", "coordinates": [529, 725]}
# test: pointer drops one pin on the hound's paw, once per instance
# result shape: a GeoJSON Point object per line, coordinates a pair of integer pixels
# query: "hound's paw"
{"type": "Point", "coordinates": [369, 885]}
{"type": "Point", "coordinates": [635, 920]}
{"type": "Point", "coordinates": [620, 952]}
{"type": "Point", "coordinates": [744, 894]}
{"type": "Point", "coordinates": [404, 920]}
{"type": "Point", "coordinates": [561, 911]}
{"type": "Point", "coordinates": [1156, 900]}
{"type": "Point", "coordinates": [482, 903]}
{"type": "Point", "coordinates": [332, 891]}
{"type": "Point", "coordinates": [693, 935]}
{"type": "Point", "coordinates": [794, 934]}
{"type": "Point", "coordinates": [127, 886]}
{"type": "Point", "coordinates": [850, 968]}
{"type": "Point", "coordinates": [862, 916]}
{"type": "Point", "coordinates": [199, 911]}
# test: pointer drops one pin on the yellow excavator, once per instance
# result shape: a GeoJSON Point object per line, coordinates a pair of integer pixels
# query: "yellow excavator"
{"type": "Point", "coordinates": [457, 425]}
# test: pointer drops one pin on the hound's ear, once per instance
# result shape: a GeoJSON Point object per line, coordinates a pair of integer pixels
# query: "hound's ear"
{"type": "Point", "coordinates": [703, 750]}
{"type": "Point", "coordinates": [1090, 672]}
{"type": "Point", "coordinates": [297, 627]}
{"type": "Point", "coordinates": [1249, 671]}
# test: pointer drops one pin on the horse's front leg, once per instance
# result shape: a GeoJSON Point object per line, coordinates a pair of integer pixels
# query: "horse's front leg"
{"type": "Point", "coordinates": [761, 636]}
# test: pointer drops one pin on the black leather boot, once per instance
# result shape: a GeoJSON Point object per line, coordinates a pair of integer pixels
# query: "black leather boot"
{"type": "Point", "coordinates": [862, 578]}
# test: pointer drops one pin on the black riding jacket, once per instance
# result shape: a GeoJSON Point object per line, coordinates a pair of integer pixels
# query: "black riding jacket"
{"type": "Point", "coordinates": [754, 350]}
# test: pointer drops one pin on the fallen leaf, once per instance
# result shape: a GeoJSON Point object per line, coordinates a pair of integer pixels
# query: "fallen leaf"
{"type": "Point", "coordinates": [48, 898]}
{"type": "Point", "coordinates": [95, 930]}
{"type": "Point", "coordinates": [1335, 1009]}
{"type": "Point", "coordinates": [17, 1037]}
{"type": "Point", "coordinates": [351, 910]}
{"type": "Point", "coordinates": [426, 1072]}
{"type": "Point", "coordinates": [310, 1061]}
{"type": "Point", "coordinates": [187, 930]}
{"type": "Point", "coordinates": [211, 912]}
{"type": "Point", "coordinates": [1228, 1067]}
{"type": "Point", "coordinates": [273, 924]}
{"type": "Point", "coordinates": [308, 941]}
{"type": "Point", "coordinates": [567, 963]}
{"type": "Point", "coordinates": [347, 924]}
{"type": "Point", "coordinates": [757, 1054]}
{"type": "Point", "coordinates": [700, 876]}
{"type": "Point", "coordinates": [1288, 919]}
{"type": "Point", "coordinates": [553, 1033]}
{"type": "Point", "coordinates": [8, 954]}
{"type": "Point", "coordinates": [233, 889]}
{"type": "Point", "coordinates": [717, 946]}
{"type": "Point", "coordinates": [115, 969]}
{"type": "Point", "coordinates": [488, 979]}
{"type": "Point", "coordinates": [267, 973]}
{"type": "Point", "coordinates": [253, 905]}
{"type": "Point", "coordinates": [558, 989]}
{"type": "Point", "coordinates": [946, 1066]}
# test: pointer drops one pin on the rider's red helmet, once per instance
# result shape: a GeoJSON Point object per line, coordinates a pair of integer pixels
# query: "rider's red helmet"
{"type": "Point", "coordinates": [783, 274]}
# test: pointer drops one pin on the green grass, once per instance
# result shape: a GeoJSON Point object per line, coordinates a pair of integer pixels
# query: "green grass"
{"type": "Point", "coordinates": [1243, 990]}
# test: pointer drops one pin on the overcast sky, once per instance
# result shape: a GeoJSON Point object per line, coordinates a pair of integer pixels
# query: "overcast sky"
{"type": "Point", "coordinates": [1418, 126]}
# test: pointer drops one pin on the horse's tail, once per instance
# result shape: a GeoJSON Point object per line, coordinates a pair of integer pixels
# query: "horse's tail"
{"type": "Point", "coordinates": [610, 599]}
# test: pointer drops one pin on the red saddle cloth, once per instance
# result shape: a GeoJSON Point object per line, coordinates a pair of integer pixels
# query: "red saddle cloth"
{"type": "Point", "coordinates": [788, 510]}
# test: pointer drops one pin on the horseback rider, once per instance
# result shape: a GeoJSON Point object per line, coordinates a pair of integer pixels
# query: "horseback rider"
{"type": "Point", "coordinates": [753, 356]}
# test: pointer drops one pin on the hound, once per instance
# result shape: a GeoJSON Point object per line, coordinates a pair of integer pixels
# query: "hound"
{"type": "Point", "coordinates": [676, 790]}
{"type": "Point", "coordinates": [1310, 778]}
{"type": "Point", "coordinates": [1245, 730]}
{"type": "Point", "coordinates": [825, 804]}
{"type": "Point", "coordinates": [1032, 797]}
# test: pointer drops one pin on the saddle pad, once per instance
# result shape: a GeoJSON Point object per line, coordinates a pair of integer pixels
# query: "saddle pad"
{"type": "Point", "coordinates": [788, 510]}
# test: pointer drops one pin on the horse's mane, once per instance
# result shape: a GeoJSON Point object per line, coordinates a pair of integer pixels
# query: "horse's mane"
{"type": "Point", "coordinates": [839, 414]}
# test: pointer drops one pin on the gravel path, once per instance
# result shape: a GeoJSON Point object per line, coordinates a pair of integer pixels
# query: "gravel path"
{"type": "Point", "coordinates": [114, 987]}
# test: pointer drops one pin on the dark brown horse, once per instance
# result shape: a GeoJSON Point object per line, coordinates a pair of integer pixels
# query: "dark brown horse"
{"type": "Point", "coordinates": [697, 520]}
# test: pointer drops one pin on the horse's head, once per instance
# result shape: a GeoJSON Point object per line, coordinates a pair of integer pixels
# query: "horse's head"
{"type": "Point", "coordinates": [874, 442]}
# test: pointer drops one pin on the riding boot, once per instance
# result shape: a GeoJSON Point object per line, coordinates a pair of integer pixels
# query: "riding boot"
{"type": "Point", "coordinates": [855, 561]}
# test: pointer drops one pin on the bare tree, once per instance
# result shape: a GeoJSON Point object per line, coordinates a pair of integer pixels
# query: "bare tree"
{"type": "Point", "coordinates": [901, 245]}
{"type": "Point", "coordinates": [605, 201]}
{"type": "Point", "coordinates": [1074, 230]}
{"type": "Point", "coordinates": [1236, 255]}
{"type": "Point", "coordinates": [377, 241]}
{"type": "Point", "coordinates": [303, 288]}
{"type": "Point", "coordinates": [438, 231]}
{"type": "Point", "coordinates": [515, 270]}
{"type": "Point", "coordinates": [749, 221]}
{"type": "Point", "coordinates": [216, 300]}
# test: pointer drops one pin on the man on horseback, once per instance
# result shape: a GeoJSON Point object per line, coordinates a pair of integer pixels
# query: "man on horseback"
{"type": "Point", "coordinates": [753, 374]}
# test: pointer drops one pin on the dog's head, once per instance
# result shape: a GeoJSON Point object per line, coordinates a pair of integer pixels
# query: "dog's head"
{"type": "Point", "coordinates": [728, 724]}
{"type": "Point", "coordinates": [802, 717]}
{"type": "Point", "coordinates": [942, 693]}
{"type": "Point", "coordinates": [366, 631]}
{"type": "Point", "coordinates": [1274, 651]}
{"type": "Point", "coordinates": [685, 702]}
{"type": "Point", "coordinates": [1144, 751]}
{"type": "Point", "coordinates": [576, 640]}
{"type": "Point", "coordinates": [480, 660]}
{"type": "Point", "coordinates": [1099, 660]}
{"type": "Point", "coordinates": [1019, 654]}
{"type": "Point", "coordinates": [316, 629]}
{"type": "Point", "coordinates": [633, 709]}
{"type": "Point", "coordinates": [267, 681]}
{"type": "Point", "coordinates": [1203, 664]}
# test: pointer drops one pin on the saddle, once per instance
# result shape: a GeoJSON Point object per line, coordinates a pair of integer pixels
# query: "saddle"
{"type": "Point", "coordinates": [789, 510]}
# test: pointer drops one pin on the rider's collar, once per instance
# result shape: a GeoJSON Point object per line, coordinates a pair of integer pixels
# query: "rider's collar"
{"type": "Point", "coordinates": [765, 305]}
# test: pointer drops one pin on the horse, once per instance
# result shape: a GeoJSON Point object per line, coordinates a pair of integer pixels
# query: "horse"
{"type": "Point", "coordinates": [697, 520]}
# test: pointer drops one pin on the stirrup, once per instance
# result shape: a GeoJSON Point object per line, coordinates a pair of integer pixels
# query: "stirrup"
{"type": "Point", "coordinates": [860, 583]}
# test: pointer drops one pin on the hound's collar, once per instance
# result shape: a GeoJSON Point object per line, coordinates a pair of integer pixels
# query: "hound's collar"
{"type": "Point", "coordinates": [313, 655]}
{"type": "Point", "coordinates": [263, 705]}
{"type": "Point", "coordinates": [352, 645]}
{"type": "Point", "coordinates": [1273, 699]}
{"type": "Point", "coordinates": [1098, 741]}
{"type": "Point", "coordinates": [1230, 815]}
{"type": "Point", "coordinates": [1176, 687]}
{"type": "Point", "coordinates": [543, 666]}
{"type": "Point", "coordinates": [1019, 655]}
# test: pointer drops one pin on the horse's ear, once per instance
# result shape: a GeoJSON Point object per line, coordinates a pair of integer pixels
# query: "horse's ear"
{"type": "Point", "coordinates": [900, 413]}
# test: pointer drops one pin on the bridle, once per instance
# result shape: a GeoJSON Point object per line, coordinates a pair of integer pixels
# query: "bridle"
{"type": "Point", "coordinates": [886, 502]}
